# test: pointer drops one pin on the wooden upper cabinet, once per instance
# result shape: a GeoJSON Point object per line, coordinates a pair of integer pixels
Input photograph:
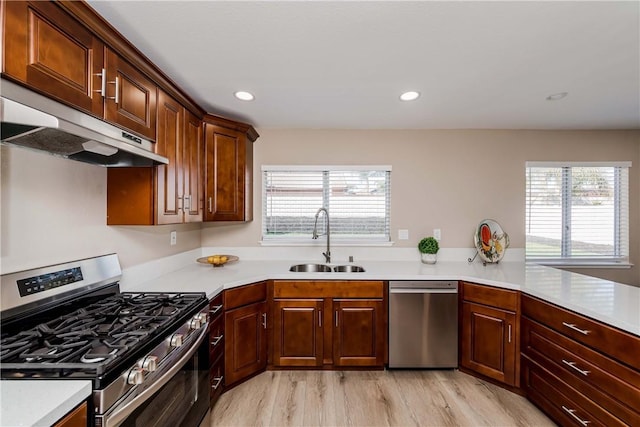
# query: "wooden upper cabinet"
{"type": "Point", "coordinates": [193, 164]}
{"type": "Point", "coordinates": [228, 170]}
{"type": "Point", "coordinates": [48, 50]}
{"type": "Point", "coordinates": [130, 97]}
{"type": "Point", "coordinates": [53, 53]}
{"type": "Point", "coordinates": [166, 194]}
{"type": "Point", "coordinates": [169, 178]}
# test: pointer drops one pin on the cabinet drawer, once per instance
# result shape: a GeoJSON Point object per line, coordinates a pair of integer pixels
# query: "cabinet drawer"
{"type": "Point", "coordinates": [620, 345]}
{"type": "Point", "coordinates": [327, 289]}
{"type": "Point", "coordinates": [216, 378]}
{"type": "Point", "coordinates": [216, 307]}
{"type": "Point", "coordinates": [566, 405]}
{"type": "Point", "coordinates": [216, 339]}
{"type": "Point", "coordinates": [606, 382]}
{"type": "Point", "coordinates": [245, 295]}
{"type": "Point", "coordinates": [487, 295]}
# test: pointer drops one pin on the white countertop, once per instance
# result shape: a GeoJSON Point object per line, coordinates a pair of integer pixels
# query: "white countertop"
{"type": "Point", "coordinates": [39, 402]}
{"type": "Point", "coordinates": [610, 302]}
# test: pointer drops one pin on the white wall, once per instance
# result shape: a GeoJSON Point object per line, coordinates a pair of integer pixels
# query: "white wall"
{"type": "Point", "coordinates": [54, 210]}
{"type": "Point", "coordinates": [447, 179]}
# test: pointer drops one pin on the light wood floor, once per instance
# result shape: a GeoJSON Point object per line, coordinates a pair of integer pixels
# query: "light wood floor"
{"type": "Point", "coordinates": [372, 398]}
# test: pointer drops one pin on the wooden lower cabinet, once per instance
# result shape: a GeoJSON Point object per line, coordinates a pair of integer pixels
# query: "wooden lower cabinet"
{"type": "Point", "coordinates": [341, 324]}
{"type": "Point", "coordinates": [298, 332]}
{"type": "Point", "coordinates": [489, 335]}
{"type": "Point", "coordinates": [576, 369]}
{"type": "Point", "coordinates": [359, 334]}
{"type": "Point", "coordinates": [245, 332]}
{"type": "Point", "coordinates": [76, 418]}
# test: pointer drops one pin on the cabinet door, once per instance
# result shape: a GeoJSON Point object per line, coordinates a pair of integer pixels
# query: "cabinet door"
{"type": "Point", "coordinates": [193, 168]}
{"type": "Point", "coordinates": [130, 97]}
{"type": "Point", "coordinates": [53, 53]}
{"type": "Point", "coordinates": [298, 332]}
{"type": "Point", "coordinates": [488, 342]}
{"type": "Point", "coordinates": [225, 164]}
{"type": "Point", "coordinates": [359, 333]}
{"type": "Point", "coordinates": [76, 418]}
{"type": "Point", "coordinates": [245, 342]}
{"type": "Point", "coordinates": [169, 184]}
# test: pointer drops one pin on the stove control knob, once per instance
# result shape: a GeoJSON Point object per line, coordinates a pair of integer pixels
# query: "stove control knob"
{"type": "Point", "coordinates": [202, 317]}
{"type": "Point", "coordinates": [150, 363]}
{"type": "Point", "coordinates": [194, 323]}
{"type": "Point", "coordinates": [135, 376]}
{"type": "Point", "coordinates": [176, 340]}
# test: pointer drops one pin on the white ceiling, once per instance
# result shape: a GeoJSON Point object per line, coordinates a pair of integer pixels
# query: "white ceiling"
{"type": "Point", "coordinates": [342, 65]}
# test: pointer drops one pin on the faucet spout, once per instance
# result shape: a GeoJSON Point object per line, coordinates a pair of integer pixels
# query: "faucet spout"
{"type": "Point", "coordinates": [327, 254]}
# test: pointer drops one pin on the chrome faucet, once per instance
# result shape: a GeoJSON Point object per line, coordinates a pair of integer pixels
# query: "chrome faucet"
{"type": "Point", "coordinates": [327, 255]}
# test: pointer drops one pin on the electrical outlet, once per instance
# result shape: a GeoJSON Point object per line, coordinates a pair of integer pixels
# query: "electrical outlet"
{"type": "Point", "coordinates": [174, 238]}
{"type": "Point", "coordinates": [403, 234]}
{"type": "Point", "coordinates": [437, 233]}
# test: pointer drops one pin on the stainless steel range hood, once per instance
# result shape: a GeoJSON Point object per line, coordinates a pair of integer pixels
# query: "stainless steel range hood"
{"type": "Point", "coordinates": [33, 121]}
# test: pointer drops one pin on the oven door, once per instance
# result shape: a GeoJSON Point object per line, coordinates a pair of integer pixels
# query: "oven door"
{"type": "Point", "coordinates": [179, 396]}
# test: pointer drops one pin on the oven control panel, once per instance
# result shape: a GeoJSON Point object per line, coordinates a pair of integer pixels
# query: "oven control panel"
{"type": "Point", "coordinates": [44, 282]}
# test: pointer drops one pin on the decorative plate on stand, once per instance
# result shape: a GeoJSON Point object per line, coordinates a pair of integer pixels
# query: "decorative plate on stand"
{"type": "Point", "coordinates": [491, 241]}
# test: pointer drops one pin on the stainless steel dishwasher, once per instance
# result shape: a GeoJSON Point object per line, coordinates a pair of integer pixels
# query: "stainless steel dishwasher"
{"type": "Point", "coordinates": [423, 324]}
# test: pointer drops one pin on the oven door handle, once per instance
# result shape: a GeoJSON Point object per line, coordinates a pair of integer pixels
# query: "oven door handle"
{"type": "Point", "coordinates": [116, 418]}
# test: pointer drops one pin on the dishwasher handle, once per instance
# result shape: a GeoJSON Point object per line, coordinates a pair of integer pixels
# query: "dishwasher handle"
{"type": "Point", "coordinates": [422, 291]}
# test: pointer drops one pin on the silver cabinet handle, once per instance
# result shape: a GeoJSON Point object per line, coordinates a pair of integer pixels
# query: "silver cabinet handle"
{"type": "Point", "coordinates": [180, 203]}
{"type": "Point", "coordinates": [320, 318]}
{"type": "Point", "coordinates": [216, 308]}
{"type": "Point", "coordinates": [216, 340]}
{"type": "Point", "coordinates": [116, 98]}
{"type": "Point", "coordinates": [574, 416]}
{"type": "Point", "coordinates": [103, 83]}
{"type": "Point", "coordinates": [509, 332]}
{"type": "Point", "coordinates": [187, 203]}
{"type": "Point", "coordinates": [575, 328]}
{"type": "Point", "coordinates": [218, 381]}
{"type": "Point", "coordinates": [264, 320]}
{"type": "Point", "coordinates": [573, 366]}
{"type": "Point", "coordinates": [210, 205]}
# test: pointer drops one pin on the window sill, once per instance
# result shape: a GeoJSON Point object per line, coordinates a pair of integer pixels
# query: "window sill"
{"type": "Point", "coordinates": [591, 264]}
{"type": "Point", "coordinates": [322, 244]}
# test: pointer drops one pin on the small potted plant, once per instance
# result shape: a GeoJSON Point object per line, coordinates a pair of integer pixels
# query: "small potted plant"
{"type": "Point", "coordinates": [429, 248]}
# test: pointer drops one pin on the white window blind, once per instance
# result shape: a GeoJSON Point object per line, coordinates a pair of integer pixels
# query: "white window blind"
{"type": "Point", "coordinates": [577, 212]}
{"type": "Point", "coordinates": [356, 197]}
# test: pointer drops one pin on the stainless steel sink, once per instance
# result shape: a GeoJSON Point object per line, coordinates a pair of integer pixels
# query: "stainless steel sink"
{"type": "Point", "coordinates": [348, 269]}
{"type": "Point", "coordinates": [310, 268]}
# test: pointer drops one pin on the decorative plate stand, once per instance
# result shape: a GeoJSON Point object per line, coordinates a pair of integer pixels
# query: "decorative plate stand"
{"type": "Point", "coordinates": [491, 242]}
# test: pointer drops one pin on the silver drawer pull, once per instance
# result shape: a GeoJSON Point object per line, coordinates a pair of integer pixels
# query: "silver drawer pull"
{"type": "Point", "coordinates": [216, 308]}
{"type": "Point", "coordinates": [216, 340]}
{"type": "Point", "coordinates": [574, 416]}
{"type": "Point", "coordinates": [575, 328]}
{"type": "Point", "coordinates": [218, 381]}
{"type": "Point", "coordinates": [574, 367]}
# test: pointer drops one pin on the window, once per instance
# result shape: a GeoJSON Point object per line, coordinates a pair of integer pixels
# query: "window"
{"type": "Point", "coordinates": [577, 213]}
{"type": "Point", "coordinates": [356, 197]}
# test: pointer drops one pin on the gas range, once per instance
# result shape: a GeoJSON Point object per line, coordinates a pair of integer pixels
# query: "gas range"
{"type": "Point", "coordinates": [70, 321]}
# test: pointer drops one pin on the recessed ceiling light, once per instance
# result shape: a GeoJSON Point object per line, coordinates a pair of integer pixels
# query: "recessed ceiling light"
{"type": "Point", "coordinates": [244, 96]}
{"type": "Point", "coordinates": [557, 96]}
{"type": "Point", "coordinates": [410, 96]}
